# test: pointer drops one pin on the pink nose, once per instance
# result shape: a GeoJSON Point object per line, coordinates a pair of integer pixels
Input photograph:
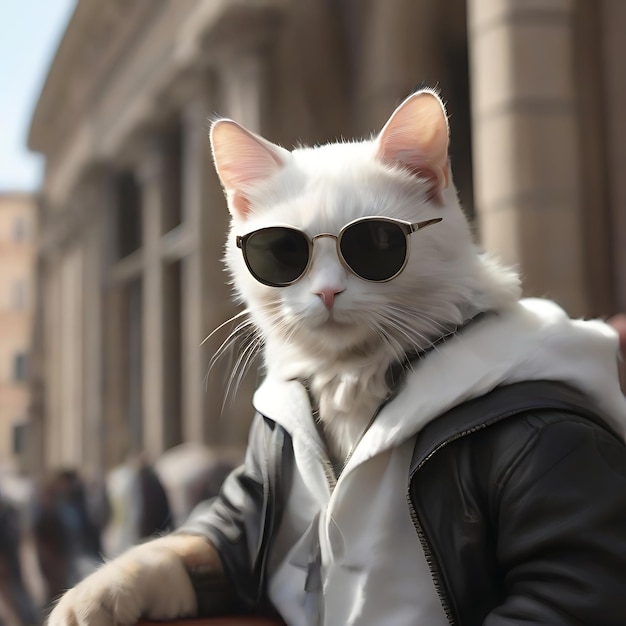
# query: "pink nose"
{"type": "Point", "coordinates": [328, 296]}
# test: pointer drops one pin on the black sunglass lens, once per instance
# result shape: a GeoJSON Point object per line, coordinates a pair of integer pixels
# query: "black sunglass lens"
{"type": "Point", "coordinates": [374, 249]}
{"type": "Point", "coordinates": [277, 256]}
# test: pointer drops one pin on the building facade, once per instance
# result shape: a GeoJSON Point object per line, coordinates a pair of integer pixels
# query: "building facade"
{"type": "Point", "coordinates": [17, 298]}
{"type": "Point", "coordinates": [133, 219]}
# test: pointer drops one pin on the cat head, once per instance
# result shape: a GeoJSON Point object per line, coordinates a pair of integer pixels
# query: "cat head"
{"type": "Point", "coordinates": [330, 314]}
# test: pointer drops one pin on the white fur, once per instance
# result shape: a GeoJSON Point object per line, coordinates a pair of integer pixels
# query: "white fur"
{"type": "Point", "coordinates": [149, 580]}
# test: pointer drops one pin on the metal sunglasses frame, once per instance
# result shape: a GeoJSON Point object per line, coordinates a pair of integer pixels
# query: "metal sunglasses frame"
{"type": "Point", "coordinates": [408, 228]}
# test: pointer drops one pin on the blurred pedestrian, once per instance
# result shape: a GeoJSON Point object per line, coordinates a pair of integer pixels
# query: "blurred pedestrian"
{"type": "Point", "coordinates": [67, 540]}
{"type": "Point", "coordinates": [14, 595]}
{"type": "Point", "coordinates": [156, 515]}
{"type": "Point", "coordinates": [139, 503]}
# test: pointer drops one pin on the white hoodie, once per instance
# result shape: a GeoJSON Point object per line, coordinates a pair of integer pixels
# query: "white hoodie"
{"type": "Point", "coordinates": [347, 552]}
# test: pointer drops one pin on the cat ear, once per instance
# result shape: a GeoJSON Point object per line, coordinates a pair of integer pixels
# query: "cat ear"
{"type": "Point", "coordinates": [242, 159]}
{"type": "Point", "coordinates": [416, 137]}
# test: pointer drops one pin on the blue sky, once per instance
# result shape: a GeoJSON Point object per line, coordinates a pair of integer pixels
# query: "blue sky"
{"type": "Point", "coordinates": [30, 31]}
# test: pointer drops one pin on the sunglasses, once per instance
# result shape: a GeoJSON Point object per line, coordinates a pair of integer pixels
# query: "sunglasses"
{"type": "Point", "coordinates": [375, 249]}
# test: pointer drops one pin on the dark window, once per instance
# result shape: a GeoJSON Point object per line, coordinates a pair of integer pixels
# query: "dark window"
{"type": "Point", "coordinates": [20, 367]}
{"type": "Point", "coordinates": [134, 347]}
{"type": "Point", "coordinates": [172, 172]}
{"type": "Point", "coordinates": [20, 432]}
{"type": "Point", "coordinates": [19, 295]}
{"type": "Point", "coordinates": [128, 214]}
{"type": "Point", "coordinates": [172, 394]}
{"type": "Point", "coordinates": [20, 229]}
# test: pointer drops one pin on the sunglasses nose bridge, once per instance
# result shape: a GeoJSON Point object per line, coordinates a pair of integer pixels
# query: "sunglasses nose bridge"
{"type": "Point", "coordinates": [319, 238]}
{"type": "Point", "coordinates": [335, 244]}
{"type": "Point", "coordinates": [324, 235]}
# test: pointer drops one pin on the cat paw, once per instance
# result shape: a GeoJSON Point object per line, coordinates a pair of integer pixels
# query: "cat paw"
{"type": "Point", "coordinates": [150, 580]}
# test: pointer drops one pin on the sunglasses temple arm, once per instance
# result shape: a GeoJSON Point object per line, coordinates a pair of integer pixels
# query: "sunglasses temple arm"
{"type": "Point", "coordinates": [420, 225]}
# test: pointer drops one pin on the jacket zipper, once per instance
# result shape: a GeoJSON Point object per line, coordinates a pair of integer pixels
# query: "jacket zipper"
{"type": "Point", "coordinates": [329, 472]}
{"type": "Point", "coordinates": [433, 566]}
{"type": "Point", "coordinates": [435, 569]}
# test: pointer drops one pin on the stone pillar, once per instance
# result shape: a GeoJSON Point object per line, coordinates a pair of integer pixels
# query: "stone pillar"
{"type": "Point", "coordinates": [242, 89]}
{"type": "Point", "coordinates": [195, 170]}
{"type": "Point", "coordinates": [53, 427]}
{"type": "Point", "coordinates": [613, 20]}
{"type": "Point", "coordinates": [151, 174]}
{"type": "Point", "coordinates": [117, 439]}
{"type": "Point", "coordinates": [71, 364]}
{"type": "Point", "coordinates": [98, 200]}
{"type": "Point", "coordinates": [402, 43]}
{"type": "Point", "coordinates": [526, 143]}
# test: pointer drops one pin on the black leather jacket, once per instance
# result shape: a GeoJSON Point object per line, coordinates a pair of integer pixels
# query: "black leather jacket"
{"type": "Point", "coordinates": [518, 497]}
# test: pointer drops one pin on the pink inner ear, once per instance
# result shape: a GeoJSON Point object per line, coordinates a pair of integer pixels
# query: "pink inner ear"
{"type": "Point", "coordinates": [435, 177]}
{"type": "Point", "coordinates": [242, 159]}
{"type": "Point", "coordinates": [416, 137]}
{"type": "Point", "coordinates": [239, 204]}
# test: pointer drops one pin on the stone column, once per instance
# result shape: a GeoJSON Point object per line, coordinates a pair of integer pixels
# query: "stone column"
{"type": "Point", "coordinates": [526, 143]}
{"type": "Point", "coordinates": [70, 363]}
{"type": "Point", "coordinates": [402, 43]}
{"type": "Point", "coordinates": [53, 427]}
{"type": "Point", "coordinates": [613, 16]}
{"type": "Point", "coordinates": [98, 200]}
{"type": "Point", "coordinates": [151, 174]}
{"type": "Point", "coordinates": [242, 89]}
{"type": "Point", "coordinates": [195, 170]}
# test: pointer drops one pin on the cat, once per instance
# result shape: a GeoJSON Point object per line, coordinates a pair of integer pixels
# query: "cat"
{"type": "Point", "coordinates": [354, 262]}
{"type": "Point", "coordinates": [332, 328]}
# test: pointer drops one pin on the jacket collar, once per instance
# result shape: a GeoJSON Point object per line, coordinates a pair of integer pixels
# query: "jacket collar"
{"type": "Point", "coordinates": [501, 403]}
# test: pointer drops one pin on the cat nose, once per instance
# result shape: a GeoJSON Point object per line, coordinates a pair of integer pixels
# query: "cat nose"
{"type": "Point", "coordinates": [328, 296]}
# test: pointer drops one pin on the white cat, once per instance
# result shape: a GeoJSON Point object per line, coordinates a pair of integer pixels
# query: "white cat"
{"type": "Point", "coordinates": [351, 258]}
{"type": "Point", "coordinates": [333, 328]}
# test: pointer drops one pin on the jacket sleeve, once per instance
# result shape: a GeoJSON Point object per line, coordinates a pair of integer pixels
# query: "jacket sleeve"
{"type": "Point", "coordinates": [232, 523]}
{"type": "Point", "coordinates": [560, 512]}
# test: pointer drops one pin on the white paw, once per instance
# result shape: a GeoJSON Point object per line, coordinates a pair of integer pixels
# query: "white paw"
{"type": "Point", "coordinates": [149, 580]}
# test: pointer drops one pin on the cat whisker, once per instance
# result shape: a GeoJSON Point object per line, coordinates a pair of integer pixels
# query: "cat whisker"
{"type": "Point", "coordinates": [406, 312]}
{"type": "Point", "coordinates": [395, 347]}
{"type": "Point", "coordinates": [239, 333]}
{"type": "Point", "coordinates": [439, 327]}
{"type": "Point", "coordinates": [228, 321]}
{"type": "Point", "coordinates": [250, 342]}
{"type": "Point", "coordinates": [414, 338]}
{"type": "Point", "coordinates": [241, 367]}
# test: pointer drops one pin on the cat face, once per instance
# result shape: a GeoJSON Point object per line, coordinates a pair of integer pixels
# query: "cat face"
{"type": "Point", "coordinates": [402, 174]}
